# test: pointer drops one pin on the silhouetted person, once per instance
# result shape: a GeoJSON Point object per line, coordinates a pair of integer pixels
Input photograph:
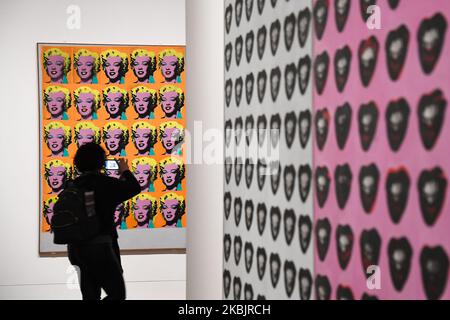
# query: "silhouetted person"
{"type": "Point", "coordinates": [99, 258]}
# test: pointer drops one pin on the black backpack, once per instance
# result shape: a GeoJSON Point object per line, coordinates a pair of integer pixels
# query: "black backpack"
{"type": "Point", "coordinates": [74, 218]}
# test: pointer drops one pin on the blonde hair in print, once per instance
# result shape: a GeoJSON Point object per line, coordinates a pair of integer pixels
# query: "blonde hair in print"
{"type": "Point", "coordinates": [170, 88]}
{"type": "Point", "coordinates": [126, 209]}
{"type": "Point", "coordinates": [144, 125]}
{"type": "Point", "coordinates": [144, 53]}
{"type": "Point", "coordinates": [173, 196]}
{"type": "Point", "coordinates": [67, 96]}
{"type": "Point", "coordinates": [87, 53]}
{"type": "Point", "coordinates": [87, 125]}
{"type": "Point", "coordinates": [57, 163]}
{"type": "Point", "coordinates": [117, 125]}
{"type": "Point", "coordinates": [146, 161]}
{"type": "Point", "coordinates": [85, 89]}
{"type": "Point", "coordinates": [173, 53]}
{"type": "Point", "coordinates": [145, 196]}
{"type": "Point", "coordinates": [172, 160]}
{"type": "Point", "coordinates": [153, 95]}
{"type": "Point", "coordinates": [172, 124]}
{"type": "Point", "coordinates": [58, 125]}
{"type": "Point", "coordinates": [57, 52]}
{"type": "Point", "coordinates": [46, 206]}
{"type": "Point", "coordinates": [115, 53]}
{"type": "Point", "coordinates": [126, 212]}
{"type": "Point", "coordinates": [48, 202]}
{"type": "Point", "coordinates": [115, 89]}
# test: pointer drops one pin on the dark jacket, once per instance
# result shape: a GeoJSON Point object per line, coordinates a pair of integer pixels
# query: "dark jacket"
{"type": "Point", "coordinates": [109, 193]}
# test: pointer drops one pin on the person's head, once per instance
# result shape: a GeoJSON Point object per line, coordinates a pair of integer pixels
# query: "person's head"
{"type": "Point", "coordinates": [144, 208]}
{"type": "Point", "coordinates": [114, 64]}
{"type": "Point", "coordinates": [86, 132]}
{"type": "Point", "coordinates": [145, 169]}
{"type": "Point", "coordinates": [144, 136]}
{"type": "Point", "coordinates": [144, 100]}
{"type": "Point", "coordinates": [57, 64]}
{"type": "Point", "coordinates": [115, 136]}
{"type": "Point", "coordinates": [48, 209]}
{"type": "Point", "coordinates": [172, 208]}
{"type": "Point", "coordinates": [143, 63]}
{"type": "Point", "coordinates": [89, 157]}
{"type": "Point", "coordinates": [171, 135]}
{"type": "Point", "coordinates": [87, 65]}
{"type": "Point", "coordinates": [171, 64]}
{"type": "Point", "coordinates": [87, 101]}
{"type": "Point", "coordinates": [57, 100]}
{"type": "Point", "coordinates": [115, 101]}
{"type": "Point", "coordinates": [171, 171]}
{"type": "Point", "coordinates": [57, 172]}
{"type": "Point", "coordinates": [171, 99]}
{"type": "Point", "coordinates": [57, 136]}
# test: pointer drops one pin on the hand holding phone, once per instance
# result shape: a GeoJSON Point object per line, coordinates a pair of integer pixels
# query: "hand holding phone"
{"type": "Point", "coordinates": [111, 164]}
{"type": "Point", "coordinates": [123, 165]}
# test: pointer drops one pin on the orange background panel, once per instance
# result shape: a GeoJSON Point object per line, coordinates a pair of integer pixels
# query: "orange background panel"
{"type": "Point", "coordinates": [74, 118]}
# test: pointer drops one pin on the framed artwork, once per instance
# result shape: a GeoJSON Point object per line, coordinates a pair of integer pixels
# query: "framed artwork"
{"type": "Point", "coordinates": [361, 118]}
{"type": "Point", "coordinates": [130, 99]}
{"type": "Point", "coordinates": [268, 205]}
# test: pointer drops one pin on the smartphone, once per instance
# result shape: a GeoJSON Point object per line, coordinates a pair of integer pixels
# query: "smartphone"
{"type": "Point", "coordinates": [111, 164]}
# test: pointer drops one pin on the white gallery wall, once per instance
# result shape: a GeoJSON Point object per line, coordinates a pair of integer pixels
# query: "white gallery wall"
{"type": "Point", "coordinates": [204, 100]}
{"type": "Point", "coordinates": [268, 104]}
{"type": "Point", "coordinates": [23, 274]}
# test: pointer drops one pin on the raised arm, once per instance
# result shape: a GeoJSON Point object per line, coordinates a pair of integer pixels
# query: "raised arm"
{"type": "Point", "coordinates": [127, 186]}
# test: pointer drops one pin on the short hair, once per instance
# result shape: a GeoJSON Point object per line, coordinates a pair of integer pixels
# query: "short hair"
{"type": "Point", "coordinates": [146, 161]}
{"type": "Point", "coordinates": [172, 160]}
{"type": "Point", "coordinates": [57, 163]}
{"type": "Point", "coordinates": [153, 95]}
{"type": "Point", "coordinates": [172, 196]}
{"type": "Point", "coordinates": [52, 89]}
{"type": "Point", "coordinates": [115, 53]}
{"type": "Point", "coordinates": [145, 196]}
{"type": "Point", "coordinates": [85, 89]}
{"type": "Point", "coordinates": [144, 53]}
{"type": "Point", "coordinates": [87, 53]}
{"type": "Point", "coordinates": [87, 125]}
{"type": "Point", "coordinates": [144, 125]}
{"type": "Point", "coordinates": [171, 124]}
{"type": "Point", "coordinates": [170, 88]}
{"type": "Point", "coordinates": [172, 53]}
{"type": "Point", "coordinates": [115, 89]}
{"type": "Point", "coordinates": [58, 125]}
{"type": "Point", "coordinates": [89, 157]}
{"type": "Point", "coordinates": [116, 125]}
{"type": "Point", "coordinates": [57, 52]}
